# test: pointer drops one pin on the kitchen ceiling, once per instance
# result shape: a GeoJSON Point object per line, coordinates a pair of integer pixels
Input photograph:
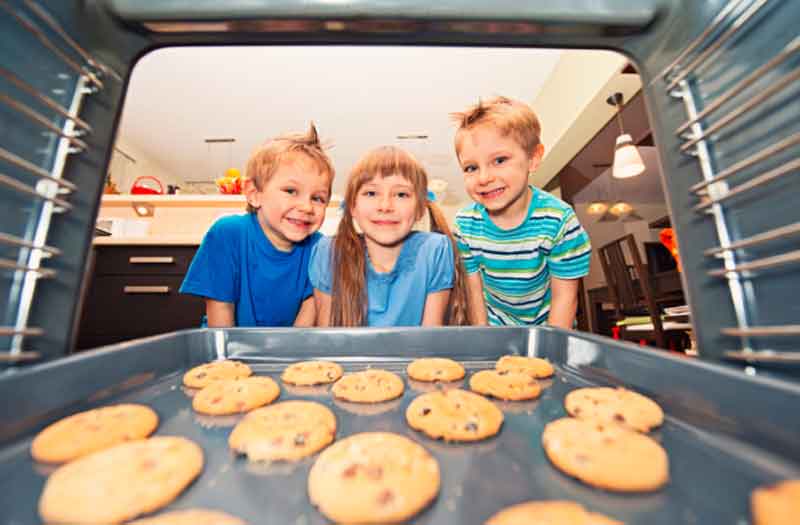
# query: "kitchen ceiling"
{"type": "Point", "coordinates": [359, 98]}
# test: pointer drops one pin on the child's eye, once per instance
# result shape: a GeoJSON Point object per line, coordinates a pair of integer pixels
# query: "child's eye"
{"type": "Point", "coordinates": [320, 199]}
{"type": "Point", "coordinates": [290, 191]}
{"type": "Point", "coordinates": [500, 160]}
{"type": "Point", "coordinates": [403, 194]}
{"type": "Point", "coordinates": [469, 168]}
{"type": "Point", "coordinates": [368, 193]}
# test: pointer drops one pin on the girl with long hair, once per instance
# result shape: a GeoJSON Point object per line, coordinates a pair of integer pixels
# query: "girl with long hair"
{"type": "Point", "coordinates": [387, 274]}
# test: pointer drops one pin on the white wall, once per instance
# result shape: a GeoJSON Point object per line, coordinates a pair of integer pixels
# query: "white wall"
{"type": "Point", "coordinates": [125, 171]}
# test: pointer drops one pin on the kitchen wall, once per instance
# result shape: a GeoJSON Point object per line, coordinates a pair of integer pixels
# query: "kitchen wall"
{"type": "Point", "coordinates": [191, 216]}
{"type": "Point", "coordinates": [129, 162]}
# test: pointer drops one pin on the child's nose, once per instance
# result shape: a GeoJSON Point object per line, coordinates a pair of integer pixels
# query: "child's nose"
{"type": "Point", "coordinates": [306, 205]}
{"type": "Point", "coordinates": [386, 202]}
{"type": "Point", "coordinates": [485, 177]}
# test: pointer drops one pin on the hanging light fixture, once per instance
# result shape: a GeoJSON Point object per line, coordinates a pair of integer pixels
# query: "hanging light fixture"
{"type": "Point", "coordinates": [620, 208]}
{"type": "Point", "coordinates": [627, 160]}
{"type": "Point", "coordinates": [596, 208]}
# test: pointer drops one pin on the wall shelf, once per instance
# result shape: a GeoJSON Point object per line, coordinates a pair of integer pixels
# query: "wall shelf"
{"type": "Point", "coordinates": [177, 201]}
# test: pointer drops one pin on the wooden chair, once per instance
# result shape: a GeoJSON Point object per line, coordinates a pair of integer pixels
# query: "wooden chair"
{"type": "Point", "coordinates": [629, 285]}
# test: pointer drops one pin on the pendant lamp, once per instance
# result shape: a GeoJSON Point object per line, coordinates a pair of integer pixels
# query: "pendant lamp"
{"type": "Point", "coordinates": [627, 160]}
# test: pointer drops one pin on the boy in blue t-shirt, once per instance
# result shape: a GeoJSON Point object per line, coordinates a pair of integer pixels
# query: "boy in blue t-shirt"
{"type": "Point", "coordinates": [523, 249]}
{"type": "Point", "coordinates": [252, 269]}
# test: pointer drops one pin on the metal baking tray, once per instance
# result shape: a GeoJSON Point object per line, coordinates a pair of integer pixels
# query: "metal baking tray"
{"type": "Point", "coordinates": [726, 432]}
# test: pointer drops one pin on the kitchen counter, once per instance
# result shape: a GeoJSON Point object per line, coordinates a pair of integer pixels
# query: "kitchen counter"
{"type": "Point", "coordinates": [150, 240]}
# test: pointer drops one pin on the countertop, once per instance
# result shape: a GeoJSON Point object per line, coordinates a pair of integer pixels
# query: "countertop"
{"type": "Point", "coordinates": [155, 240]}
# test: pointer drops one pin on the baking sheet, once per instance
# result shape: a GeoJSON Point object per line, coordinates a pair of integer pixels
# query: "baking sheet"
{"type": "Point", "coordinates": [716, 458]}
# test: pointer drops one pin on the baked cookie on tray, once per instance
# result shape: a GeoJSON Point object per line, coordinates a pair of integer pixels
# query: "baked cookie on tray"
{"type": "Point", "coordinates": [204, 375]}
{"type": "Point", "coordinates": [234, 396]}
{"type": "Point", "coordinates": [120, 483]}
{"type": "Point", "coordinates": [549, 513]}
{"type": "Point", "coordinates": [289, 430]}
{"type": "Point", "coordinates": [190, 517]}
{"type": "Point", "coordinates": [309, 373]}
{"type": "Point", "coordinates": [615, 405]}
{"type": "Point", "coordinates": [510, 386]}
{"type": "Point", "coordinates": [455, 415]}
{"type": "Point", "coordinates": [369, 386]}
{"type": "Point", "coordinates": [86, 432]}
{"type": "Point", "coordinates": [604, 455]}
{"type": "Point", "coordinates": [435, 369]}
{"type": "Point", "coordinates": [373, 477]}
{"type": "Point", "coordinates": [777, 504]}
{"type": "Point", "coordinates": [533, 366]}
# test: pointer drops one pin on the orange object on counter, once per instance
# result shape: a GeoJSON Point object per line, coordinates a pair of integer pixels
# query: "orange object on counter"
{"type": "Point", "coordinates": [231, 183]}
{"type": "Point", "coordinates": [667, 238]}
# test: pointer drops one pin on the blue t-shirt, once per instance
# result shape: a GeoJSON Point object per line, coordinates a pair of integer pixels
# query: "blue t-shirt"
{"type": "Point", "coordinates": [237, 263]}
{"type": "Point", "coordinates": [396, 298]}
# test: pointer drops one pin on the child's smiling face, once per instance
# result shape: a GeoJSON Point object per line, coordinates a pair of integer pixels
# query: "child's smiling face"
{"type": "Point", "coordinates": [386, 209]}
{"type": "Point", "coordinates": [496, 169]}
{"type": "Point", "coordinates": [291, 205]}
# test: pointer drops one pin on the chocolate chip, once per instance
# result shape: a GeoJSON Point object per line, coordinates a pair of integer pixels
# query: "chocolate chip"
{"type": "Point", "coordinates": [577, 410]}
{"type": "Point", "coordinates": [350, 471]}
{"type": "Point", "coordinates": [471, 426]}
{"type": "Point", "coordinates": [385, 497]}
{"type": "Point", "coordinates": [300, 439]}
{"type": "Point", "coordinates": [201, 375]}
{"type": "Point", "coordinates": [426, 411]}
{"type": "Point", "coordinates": [619, 417]}
{"type": "Point", "coordinates": [503, 373]}
{"type": "Point", "coordinates": [439, 372]}
{"type": "Point", "coordinates": [374, 472]}
{"type": "Point", "coordinates": [329, 375]}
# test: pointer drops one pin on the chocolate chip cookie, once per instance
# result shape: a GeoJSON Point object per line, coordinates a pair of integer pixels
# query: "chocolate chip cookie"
{"type": "Point", "coordinates": [234, 396]}
{"type": "Point", "coordinates": [435, 369]}
{"type": "Point", "coordinates": [93, 430]}
{"type": "Point", "coordinates": [510, 386]}
{"type": "Point", "coordinates": [204, 375]}
{"type": "Point", "coordinates": [373, 477]}
{"type": "Point", "coordinates": [614, 405]}
{"type": "Point", "coordinates": [455, 415]}
{"type": "Point", "coordinates": [309, 373]}
{"type": "Point", "coordinates": [369, 386]}
{"type": "Point", "coordinates": [604, 455]}
{"type": "Point", "coordinates": [289, 430]}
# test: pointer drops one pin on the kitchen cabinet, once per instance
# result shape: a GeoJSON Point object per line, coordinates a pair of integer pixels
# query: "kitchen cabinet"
{"type": "Point", "coordinates": [133, 292]}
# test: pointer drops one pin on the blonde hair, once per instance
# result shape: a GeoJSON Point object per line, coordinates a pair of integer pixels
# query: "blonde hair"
{"type": "Point", "coordinates": [266, 159]}
{"type": "Point", "coordinates": [510, 117]}
{"type": "Point", "coordinates": [348, 259]}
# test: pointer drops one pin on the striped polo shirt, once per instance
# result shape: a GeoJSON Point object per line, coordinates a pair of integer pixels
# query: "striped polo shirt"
{"type": "Point", "coordinates": [516, 264]}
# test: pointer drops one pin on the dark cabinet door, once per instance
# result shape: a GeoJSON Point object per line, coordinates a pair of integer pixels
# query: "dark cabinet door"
{"type": "Point", "coordinates": [134, 293]}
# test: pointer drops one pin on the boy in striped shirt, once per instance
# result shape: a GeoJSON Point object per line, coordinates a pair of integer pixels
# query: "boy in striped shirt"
{"type": "Point", "coordinates": [523, 249]}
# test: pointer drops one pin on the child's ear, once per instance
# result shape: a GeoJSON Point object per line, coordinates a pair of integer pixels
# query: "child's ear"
{"type": "Point", "coordinates": [536, 158]}
{"type": "Point", "coordinates": [250, 192]}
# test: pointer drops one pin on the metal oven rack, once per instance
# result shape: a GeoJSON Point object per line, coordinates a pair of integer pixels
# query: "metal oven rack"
{"type": "Point", "coordinates": [743, 128]}
{"type": "Point", "coordinates": [45, 79]}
